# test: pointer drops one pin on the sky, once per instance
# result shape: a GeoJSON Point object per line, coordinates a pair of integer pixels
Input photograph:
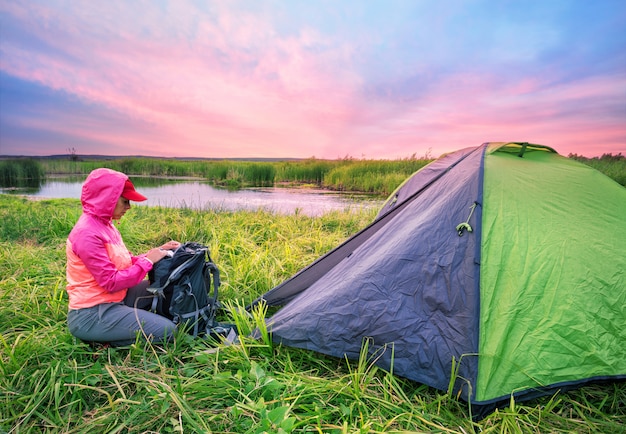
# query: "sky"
{"type": "Point", "coordinates": [365, 79]}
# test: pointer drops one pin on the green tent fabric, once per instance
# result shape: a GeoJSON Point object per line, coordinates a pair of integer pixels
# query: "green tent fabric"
{"type": "Point", "coordinates": [552, 283]}
{"type": "Point", "coordinates": [499, 270]}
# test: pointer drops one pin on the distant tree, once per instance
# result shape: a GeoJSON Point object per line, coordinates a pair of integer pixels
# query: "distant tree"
{"type": "Point", "coordinates": [72, 152]}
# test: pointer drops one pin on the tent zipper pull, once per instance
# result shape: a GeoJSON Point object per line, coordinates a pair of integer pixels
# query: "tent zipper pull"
{"type": "Point", "coordinates": [465, 226]}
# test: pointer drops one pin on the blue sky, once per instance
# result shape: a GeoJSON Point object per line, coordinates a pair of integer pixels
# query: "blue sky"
{"type": "Point", "coordinates": [367, 79]}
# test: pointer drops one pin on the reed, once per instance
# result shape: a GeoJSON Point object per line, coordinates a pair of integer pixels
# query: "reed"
{"type": "Point", "coordinates": [50, 382]}
{"type": "Point", "coordinates": [613, 166]}
{"type": "Point", "coordinates": [21, 172]}
{"type": "Point", "coordinates": [304, 171]}
{"type": "Point", "coordinates": [379, 177]}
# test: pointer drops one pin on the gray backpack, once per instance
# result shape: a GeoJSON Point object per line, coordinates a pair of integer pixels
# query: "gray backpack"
{"type": "Point", "coordinates": [185, 288]}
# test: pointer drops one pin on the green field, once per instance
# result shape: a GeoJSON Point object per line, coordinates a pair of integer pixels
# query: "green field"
{"type": "Point", "coordinates": [50, 382]}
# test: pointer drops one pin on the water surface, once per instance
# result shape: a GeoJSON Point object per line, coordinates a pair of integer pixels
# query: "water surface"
{"type": "Point", "coordinates": [200, 195]}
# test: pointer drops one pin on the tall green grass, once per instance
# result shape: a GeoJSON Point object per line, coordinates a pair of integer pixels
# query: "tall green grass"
{"type": "Point", "coordinates": [310, 171]}
{"type": "Point", "coordinates": [21, 172]}
{"type": "Point", "coordinates": [379, 177]}
{"type": "Point", "coordinates": [613, 166]}
{"type": "Point", "coordinates": [372, 176]}
{"type": "Point", "coordinates": [50, 382]}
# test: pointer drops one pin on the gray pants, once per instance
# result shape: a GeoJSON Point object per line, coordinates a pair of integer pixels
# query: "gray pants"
{"type": "Point", "coordinates": [119, 323]}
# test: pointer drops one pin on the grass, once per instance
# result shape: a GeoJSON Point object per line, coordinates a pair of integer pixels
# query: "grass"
{"type": "Point", "coordinates": [49, 382]}
{"type": "Point", "coordinates": [24, 172]}
{"type": "Point", "coordinates": [613, 166]}
{"type": "Point", "coordinates": [379, 177]}
{"type": "Point", "coordinates": [373, 176]}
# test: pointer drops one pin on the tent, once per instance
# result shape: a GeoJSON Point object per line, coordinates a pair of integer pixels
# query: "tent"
{"type": "Point", "coordinates": [501, 267]}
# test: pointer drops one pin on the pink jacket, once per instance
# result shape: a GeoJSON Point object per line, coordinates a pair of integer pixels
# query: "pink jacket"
{"type": "Point", "coordinates": [100, 269]}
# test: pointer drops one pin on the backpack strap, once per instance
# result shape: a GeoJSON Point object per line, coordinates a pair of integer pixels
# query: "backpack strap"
{"type": "Point", "coordinates": [174, 275]}
{"type": "Point", "coordinates": [155, 302]}
{"type": "Point", "coordinates": [211, 269]}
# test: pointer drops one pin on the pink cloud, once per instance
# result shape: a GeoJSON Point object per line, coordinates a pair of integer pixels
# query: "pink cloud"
{"type": "Point", "coordinates": [565, 116]}
{"type": "Point", "coordinates": [230, 85]}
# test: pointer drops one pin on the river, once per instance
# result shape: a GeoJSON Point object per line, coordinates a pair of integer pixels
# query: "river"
{"type": "Point", "coordinates": [200, 195]}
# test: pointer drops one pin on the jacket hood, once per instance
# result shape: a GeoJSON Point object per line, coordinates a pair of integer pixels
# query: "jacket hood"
{"type": "Point", "coordinates": [101, 191]}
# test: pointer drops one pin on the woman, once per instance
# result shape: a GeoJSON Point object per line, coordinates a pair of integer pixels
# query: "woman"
{"type": "Point", "coordinates": [108, 297]}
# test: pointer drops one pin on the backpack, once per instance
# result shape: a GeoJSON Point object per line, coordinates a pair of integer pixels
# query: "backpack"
{"type": "Point", "coordinates": [181, 284]}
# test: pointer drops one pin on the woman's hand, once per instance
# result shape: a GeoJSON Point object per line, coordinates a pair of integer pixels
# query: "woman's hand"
{"type": "Point", "coordinates": [156, 254]}
{"type": "Point", "coordinates": [170, 245]}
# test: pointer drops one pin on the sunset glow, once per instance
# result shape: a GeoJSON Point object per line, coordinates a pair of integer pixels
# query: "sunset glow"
{"type": "Point", "coordinates": [278, 79]}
